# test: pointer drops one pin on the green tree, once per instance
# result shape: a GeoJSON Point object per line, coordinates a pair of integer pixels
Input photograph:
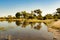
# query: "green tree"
{"type": "Point", "coordinates": [17, 15]}
{"type": "Point", "coordinates": [55, 16]}
{"type": "Point", "coordinates": [49, 16]}
{"type": "Point", "coordinates": [38, 11]}
{"type": "Point", "coordinates": [31, 15]}
{"type": "Point", "coordinates": [25, 14]}
{"type": "Point", "coordinates": [58, 10]}
{"type": "Point", "coordinates": [10, 17]}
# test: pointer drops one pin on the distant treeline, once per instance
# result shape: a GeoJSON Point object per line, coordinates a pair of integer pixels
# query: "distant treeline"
{"type": "Point", "coordinates": [35, 14]}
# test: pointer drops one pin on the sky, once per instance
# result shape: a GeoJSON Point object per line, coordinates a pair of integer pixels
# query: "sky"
{"type": "Point", "coordinates": [11, 7]}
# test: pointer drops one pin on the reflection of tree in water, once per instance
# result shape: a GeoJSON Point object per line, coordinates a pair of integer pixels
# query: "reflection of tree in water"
{"type": "Point", "coordinates": [38, 26]}
{"type": "Point", "coordinates": [25, 23]}
{"type": "Point", "coordinates": [18, 23]}
{"type": "Point", "coordinates": [48, 28]}
{"type": "Point", "coordinates": [4, 39]}
{"type": "Point", "coordinates": [32, 24]}
{"type": "Point", "coordinates": [9, 21]}
{"type": "Point", "coordinates": [1, 20]}
{"type": "Point", "coordinates": [45, 23]}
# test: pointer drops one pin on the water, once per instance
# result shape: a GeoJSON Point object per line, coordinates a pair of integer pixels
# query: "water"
{"type": "Point", "coordinates": [24, 31]}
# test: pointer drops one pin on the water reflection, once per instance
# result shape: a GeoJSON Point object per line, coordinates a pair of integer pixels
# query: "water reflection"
{"type": "Point", "coordinates": [18, 23]}
{"type": "Point", "coordinates": [25, 24]}
{"type": "Point", "coordinates": [38, 26]}
{"type": "Point", "coordinates": [24, 31]}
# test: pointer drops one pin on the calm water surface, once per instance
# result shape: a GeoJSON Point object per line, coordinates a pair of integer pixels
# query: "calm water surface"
{"type": "Point", "coordinates": [24, 31]}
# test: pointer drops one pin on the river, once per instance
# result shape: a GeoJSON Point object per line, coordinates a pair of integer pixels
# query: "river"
{"type": "Point", "coordinates": [24, 31]}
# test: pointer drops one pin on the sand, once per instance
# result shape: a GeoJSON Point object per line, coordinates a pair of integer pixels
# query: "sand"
{"type": "Point", "coordinates": [56, 24]}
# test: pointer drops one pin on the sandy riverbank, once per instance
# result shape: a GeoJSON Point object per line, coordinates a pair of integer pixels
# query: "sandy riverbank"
{"type": "Point", "coordinates": [55, 29]}
{"type": "Point", "coordinates": [55, 24]}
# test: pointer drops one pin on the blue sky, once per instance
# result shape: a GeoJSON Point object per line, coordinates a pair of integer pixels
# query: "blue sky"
{"type": "Point", "coordinates": [10, 7]}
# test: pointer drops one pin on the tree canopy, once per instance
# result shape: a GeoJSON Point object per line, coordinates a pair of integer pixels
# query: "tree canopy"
{"type": "Point", "coordinates": [58, 10]}
{"type": "Point", "coordinates": [17, 15]}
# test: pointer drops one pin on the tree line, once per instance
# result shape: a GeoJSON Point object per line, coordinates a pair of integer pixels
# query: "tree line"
{"type": "Point", "coordinates": [31, 15]}
{"type": "Point", "coordinates": [35, 14]}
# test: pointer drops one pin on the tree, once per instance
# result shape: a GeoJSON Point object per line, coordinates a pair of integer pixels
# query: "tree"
{"type": "Point", "coordinates": [17, 15]}
{"type": "Point", "coordinates": [25, 14]}
{"type": "Point", "coordinates": [58, 10]}
{"type": "Point", "coordinates": [48, 16]}
{"type": "Point", "coordinates": [31, 15]}
{"type": "Point", "coordinates": [38, 11]}
{"type": "Point", "coordinates": [10, 17]}
{"type": "Point", "coordinates": [55, 16]}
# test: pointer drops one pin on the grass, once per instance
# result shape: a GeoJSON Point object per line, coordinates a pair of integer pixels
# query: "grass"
{"type": "Point", "coordinates": [28, 20]}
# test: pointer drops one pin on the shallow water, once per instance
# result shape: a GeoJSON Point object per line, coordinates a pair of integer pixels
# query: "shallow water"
{"type": "Point", "coordinates": [24, 31]}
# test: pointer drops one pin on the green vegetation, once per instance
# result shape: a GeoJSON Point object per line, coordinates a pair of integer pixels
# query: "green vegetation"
{"type": "Point", "coordinates": [35, 14]}
{"type": "Point", "coordinates": [17, 15]}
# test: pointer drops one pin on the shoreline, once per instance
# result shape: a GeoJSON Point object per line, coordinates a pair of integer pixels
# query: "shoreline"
{"type": "Point", "coordinates": [28, 20]}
